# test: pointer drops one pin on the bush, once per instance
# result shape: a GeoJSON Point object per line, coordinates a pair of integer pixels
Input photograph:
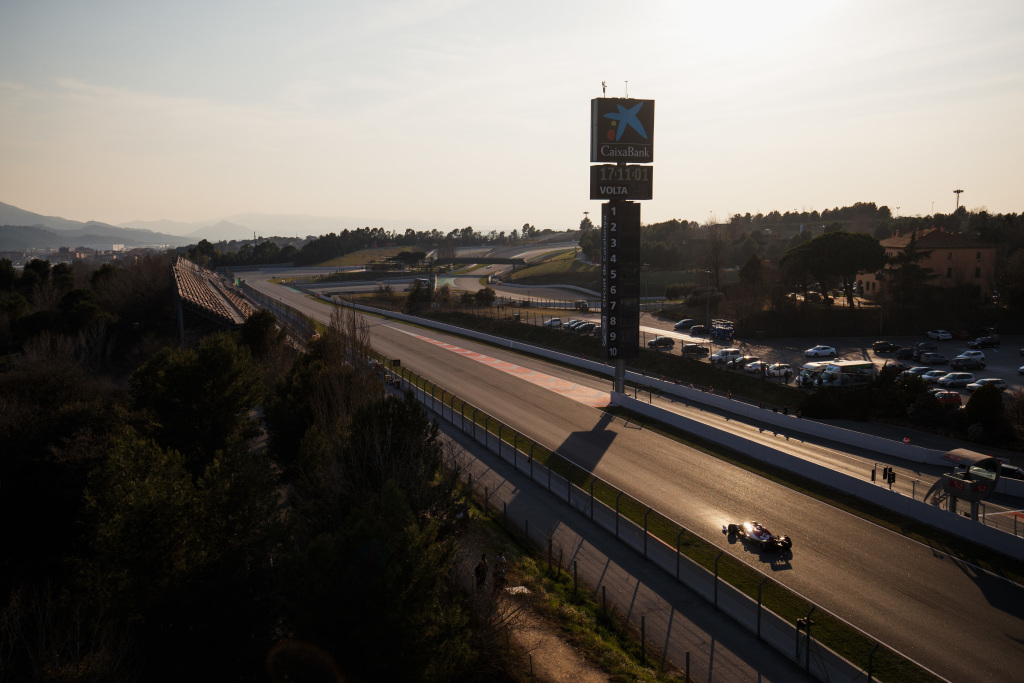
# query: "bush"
{"type": "Point", "coordinates": [985, 407]}
{"type": "Point", "coordinates": [677, 291]}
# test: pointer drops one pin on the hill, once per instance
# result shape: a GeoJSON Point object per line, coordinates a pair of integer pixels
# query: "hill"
{"type": "Point", "coordinates": [22, 230]}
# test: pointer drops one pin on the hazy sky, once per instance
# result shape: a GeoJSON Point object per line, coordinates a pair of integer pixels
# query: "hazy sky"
{"type": "Point", "coordinates": [462, 112]}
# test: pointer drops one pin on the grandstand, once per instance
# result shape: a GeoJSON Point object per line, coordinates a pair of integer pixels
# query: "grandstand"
{"type": "Point", "coordinates": [208, 302]}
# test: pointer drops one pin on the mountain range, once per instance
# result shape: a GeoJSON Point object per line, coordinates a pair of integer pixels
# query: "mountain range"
{"type": "Point", "coordinates": [22, 230]}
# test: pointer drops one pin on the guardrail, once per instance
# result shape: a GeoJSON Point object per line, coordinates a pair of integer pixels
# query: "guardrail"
{"type": "Point", "coordinates": [753, 599]}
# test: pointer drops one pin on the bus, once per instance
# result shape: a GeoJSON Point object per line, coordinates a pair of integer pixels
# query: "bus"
{"type": "Point", "coordinates": [848, 373]}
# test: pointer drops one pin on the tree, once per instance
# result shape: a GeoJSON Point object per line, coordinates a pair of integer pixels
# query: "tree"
{"type": "Point", "coordinates": [410, 258]}
{"type": "Point", "coordinates": [752, 272]}
{"type": "Point", "coordinates": [166, 548]}
{"type": "Point", "coordinates": [714, 250]}
{"type": "Point", "coordinates": [985, 407]}
{"type": "Point", "coordinates": [590, 244]}
{"type": "Point", "coordinates": [418, 297]}
{"type": "Point", "coordinates": [905, 274]}
{"type": "Point", "coordinates": [321, 389]}
{"type": "Point", "coordinates": [145, 527]}
{"type": "Point", "coordinates": [837, 257]}
{"type": "Point", "coordinates": [485, 296]}
{"type": "Point", "coordinates": [390, 578]}
{"type": "Point", "coordinates": [8, 274]}
{"type": "Point", "coordinates": [261, 335]}
{"type": "Point", "coordinates": [199, 401]}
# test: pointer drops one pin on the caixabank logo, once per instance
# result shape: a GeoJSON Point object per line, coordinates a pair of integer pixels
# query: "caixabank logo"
{"type": "Point", "coordinates": [622, 130]}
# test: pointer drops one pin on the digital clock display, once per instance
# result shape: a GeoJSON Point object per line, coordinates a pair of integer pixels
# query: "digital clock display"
{"type": "Point", "coordinates": [621, 181]}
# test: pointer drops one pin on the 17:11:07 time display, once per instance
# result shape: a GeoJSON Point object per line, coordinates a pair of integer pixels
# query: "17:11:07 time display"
{"type": "Point", "coordinates": [627, 174]}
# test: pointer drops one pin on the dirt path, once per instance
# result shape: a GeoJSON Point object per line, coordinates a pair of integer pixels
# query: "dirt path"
{"type": "Point", "coordinates": [552, 658]}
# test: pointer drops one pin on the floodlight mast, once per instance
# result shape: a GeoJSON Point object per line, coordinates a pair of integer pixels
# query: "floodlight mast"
{"type": "Point", "coordinates": [957, 193]}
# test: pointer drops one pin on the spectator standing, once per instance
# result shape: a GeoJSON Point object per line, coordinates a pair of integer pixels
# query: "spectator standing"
{"type": "Point", "coordinates": [481, 571]}
{"type": "Point", "coordinates": [500, 567]}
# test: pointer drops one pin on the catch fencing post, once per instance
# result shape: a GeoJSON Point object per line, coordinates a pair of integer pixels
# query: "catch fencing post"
{"type": "Point", "coordinates": [617, 514]}
{"type": "Point", "coordinates": [716, 575]}
{"type": "Point", "coordinates": [679, 542]}
{"type": "Point", "coordinates": [568, 485]}
{"type": "Point", "coordinates": [759, 587]}
{"type": "Point", "coordinates": [645, 530]}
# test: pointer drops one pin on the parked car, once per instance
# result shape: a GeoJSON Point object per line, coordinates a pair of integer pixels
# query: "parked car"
{"type": "Point", "coordinates": [924, 347]}
{"type": "Point", "coordinates": [980, 355]}
{"type": "Point", "coordinates": [916, 371]}
{"type": "Point", "coordinates": [1020, 370]}
{"type": "Point", "coordinates": [685, 324]}
{"type": "Point", "coordinates": [661, 343]}
{"type": "Point", "coordinates": [779, 369]}
{"type": "Point", "coordinates": [737, 363]}
{"type": "Point", "coordinates": [820, 351]}
{"type": "Point", "coordinates": [941, 335]}
{"type": "Point", "coordinates": [990, 341]}
{"type": "Point", "coordinates": [585, 328]}
{"type": "Point", "coordinates": [885, 347]}
{"type": "Point", "coordinates": [698, 330]}
{"type": "Point", "coordinates": [693, 350]}
{"type": "Point", "coordinates": [949, 398]}
{"type": "Point", "coordinates": [725, 355]}
{"type": "Point", "coordinates": [955, 379]}
{"type": "Point", "coordinates": [757, 367]}
{"type": "Point", "coordinates": [1000, 384]}
{"type": "Point", "coordinates": [933, 358]}
{"type": "Point", "coordinates": [905, 354]}
{"type": "Point", "coordinates": [967, 364]}
{"type": "Point", "coordinates": [571, 325]}
{"type": "Point", "coordinates": [933, 376]}
{"type": "Point", "coordinates": [553, 322]}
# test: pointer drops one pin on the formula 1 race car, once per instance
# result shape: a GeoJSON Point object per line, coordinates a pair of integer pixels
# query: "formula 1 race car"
{"type": "Point", "coordinates": [753, 532]}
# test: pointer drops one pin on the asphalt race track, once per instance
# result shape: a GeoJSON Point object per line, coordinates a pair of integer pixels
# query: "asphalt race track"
{"type": "Point", "coordinates": [956, 620]}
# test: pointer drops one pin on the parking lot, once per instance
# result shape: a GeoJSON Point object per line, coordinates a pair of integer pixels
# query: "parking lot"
{"type": "Point", "coordinates": [1001, 362]}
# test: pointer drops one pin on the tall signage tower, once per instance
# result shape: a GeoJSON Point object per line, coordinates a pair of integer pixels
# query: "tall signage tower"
{"type": "Point", "coordinates": [621, 132]}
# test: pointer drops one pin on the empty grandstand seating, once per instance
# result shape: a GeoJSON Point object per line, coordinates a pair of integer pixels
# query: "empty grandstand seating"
{"type": "Point", "coordinates": [201, 290]}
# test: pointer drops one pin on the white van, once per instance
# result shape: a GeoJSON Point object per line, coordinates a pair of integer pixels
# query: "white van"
{"type": "Point", "coordinates": [725, 355]}
{"type": "Point", "coordinates": [810, 373]}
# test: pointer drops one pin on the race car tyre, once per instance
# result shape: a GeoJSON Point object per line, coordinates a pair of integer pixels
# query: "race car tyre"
{"type": "Point", "coordinates": [733, 529]}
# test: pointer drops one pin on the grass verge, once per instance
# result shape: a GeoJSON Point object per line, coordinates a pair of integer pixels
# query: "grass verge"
{"type": "Point", "coordinates": [598, 632]}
